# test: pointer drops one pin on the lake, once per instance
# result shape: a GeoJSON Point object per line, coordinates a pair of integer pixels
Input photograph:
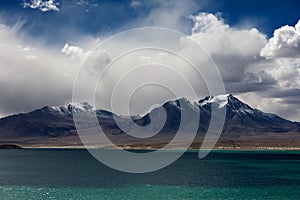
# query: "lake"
{"type": "Point", "coordinates": [75, 174]}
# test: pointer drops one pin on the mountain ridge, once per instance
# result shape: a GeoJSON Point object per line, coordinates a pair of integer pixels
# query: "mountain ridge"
{"type": "Point", "coordinates": [54, 124]}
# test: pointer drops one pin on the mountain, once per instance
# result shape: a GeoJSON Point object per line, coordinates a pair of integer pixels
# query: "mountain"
{"type": "Point", "coordinates": [50, 123]}
{"type": "Point", "coordinates": [243, 120]}
{"type": "Point", "coordinates": [55, 125]}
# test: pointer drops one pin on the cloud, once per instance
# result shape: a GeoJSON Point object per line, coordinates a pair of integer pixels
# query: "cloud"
{"type": "Point", "coordinates": [166, 14]}
{"type": "Point", "coordinates": [74, 52]}
{"type": "Point", "coordinates": [97, 61]}
{"type": "Point", "coordinates": [214, 35]}
{"type": "Point", "coordinates": [31, 57]}
{"type": "Point", "coordinates": [283, 97]}
{"type": "Point", "coordinates": [284, 43]}
{"type": "Point", "coordinates": [238, 53]}
{"type": "Point", "coordinates": [287, 73]}
{"type": "Point", "coordinates": [30, 74]}
{"type": "Point", "coordinates": [136, 4]}
{"type": "Point", "coordinates": [44, 6]}
{"type": "Point", "coordinates": [233, 50]}
{"type": "Point", "coordinates": [283, 64]}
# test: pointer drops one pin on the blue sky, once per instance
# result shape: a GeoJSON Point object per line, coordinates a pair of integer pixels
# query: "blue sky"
{"type": "Point", "coordinates": [255, 44]}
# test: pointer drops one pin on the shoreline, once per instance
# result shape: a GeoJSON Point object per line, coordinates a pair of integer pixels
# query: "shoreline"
{"type": "Point", "coordinates": [169, 149]}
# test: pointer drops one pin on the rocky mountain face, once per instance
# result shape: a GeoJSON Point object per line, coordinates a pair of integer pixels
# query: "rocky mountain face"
{"type": "Point", "coordinates": [241, 121]}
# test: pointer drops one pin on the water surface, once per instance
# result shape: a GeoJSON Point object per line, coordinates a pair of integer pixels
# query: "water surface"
{"type": "Point", "coordinates": [75, 174]}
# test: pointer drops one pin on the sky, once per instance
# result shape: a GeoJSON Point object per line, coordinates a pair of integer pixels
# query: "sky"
{"type": "Point", "coordinates": [43, 43]}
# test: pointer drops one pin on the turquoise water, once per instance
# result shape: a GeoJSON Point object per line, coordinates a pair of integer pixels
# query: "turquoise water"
{"type": "Point", "coordinates": [74, 174]}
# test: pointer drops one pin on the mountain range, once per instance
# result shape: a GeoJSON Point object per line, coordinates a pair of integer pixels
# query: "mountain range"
{"type": "Point", "coordinates": [244, 125]}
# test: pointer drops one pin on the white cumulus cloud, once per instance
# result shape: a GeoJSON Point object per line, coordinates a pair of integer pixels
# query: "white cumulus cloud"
{"type": "Point", "coordinates": [232, 49]}
{"type": "Point", "coordinates": [74, 52]}
{"type": "Point", "coordinates": [284, 43]}
{"type": "Point", "coordinates": [215, 36]}
{"type": "Point", "coordinates": [287, 73]}
{"type": "Point", "coordinates": [44, 6]}
{"type": "Point", "coordinates": [239, 54]}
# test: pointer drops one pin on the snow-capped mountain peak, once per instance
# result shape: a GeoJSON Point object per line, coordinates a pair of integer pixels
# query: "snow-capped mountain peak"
{"type": "Point", "coordinates": [228, 100]}
{"type": "Point", "coordinates": [72, 108]}
{"type": "Point", "coordinates": [221, 100]}
{"type": "Point", "coordinates": [234, 105]}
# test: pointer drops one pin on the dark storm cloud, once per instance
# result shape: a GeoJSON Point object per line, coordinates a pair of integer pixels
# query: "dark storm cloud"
{"type": "Point", "coordinates": [285, 93]}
